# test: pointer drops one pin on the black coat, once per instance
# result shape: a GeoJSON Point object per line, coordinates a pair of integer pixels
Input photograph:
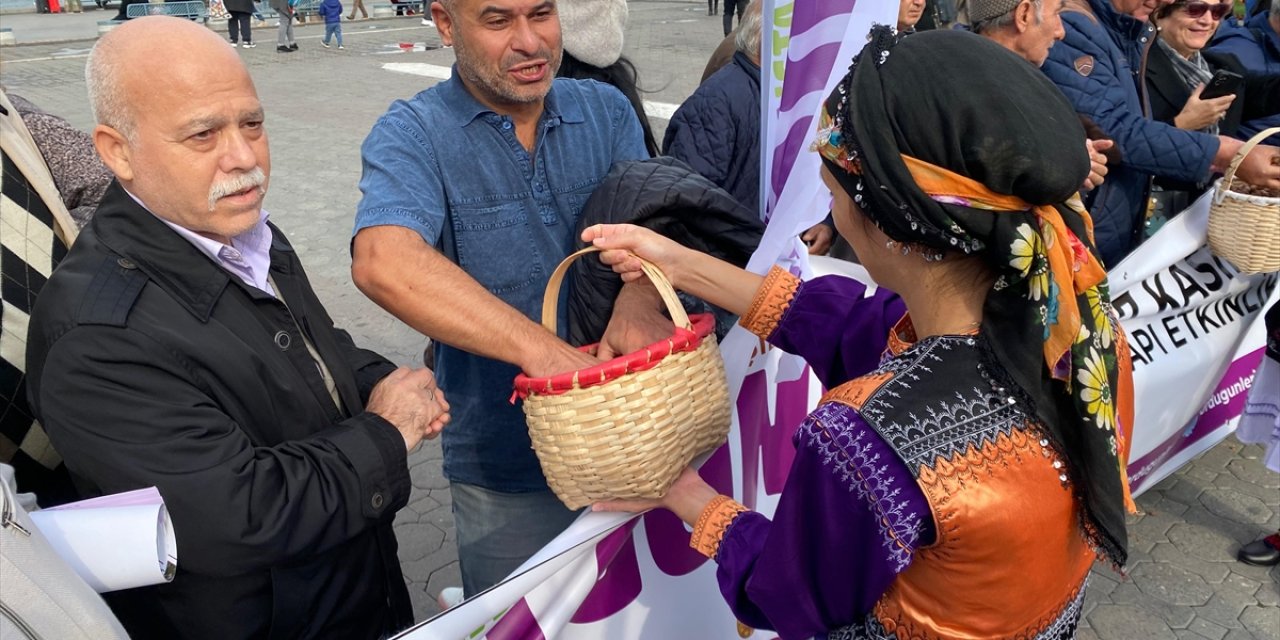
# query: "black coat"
{"type": "Point", "coordinates": [239, 6]}
{"type": "Point", "coordinates": [1258, 97]}
{"type": "Point", "coordinates": [150, 365]}
{"type": "Point", "coordinates": [667, 196]}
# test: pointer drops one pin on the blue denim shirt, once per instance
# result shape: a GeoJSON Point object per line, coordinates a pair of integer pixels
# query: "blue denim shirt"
{"type": "Point", "coordinates": [452, 170]}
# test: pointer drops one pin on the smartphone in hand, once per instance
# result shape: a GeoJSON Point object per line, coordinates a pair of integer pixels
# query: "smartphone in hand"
{"type": "Point", "coordinates": [1223, 83]}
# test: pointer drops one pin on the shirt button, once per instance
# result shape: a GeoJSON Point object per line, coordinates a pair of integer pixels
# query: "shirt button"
{"type": "Point", "coordinates": [126, 263]}
{"type": "Point", "coordinates": [376, 501]}
{"type": "Point", "coordinates": [506, 124]}
{"type": "Point", "coordinates": [283, 340]}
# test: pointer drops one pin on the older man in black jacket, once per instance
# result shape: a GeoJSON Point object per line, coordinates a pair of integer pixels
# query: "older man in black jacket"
{"type": "Point", "coordinates": [180, 345]}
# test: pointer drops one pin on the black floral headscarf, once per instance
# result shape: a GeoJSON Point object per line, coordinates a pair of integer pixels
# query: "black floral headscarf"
{"type": "Point", "coordinates": [947, 140]}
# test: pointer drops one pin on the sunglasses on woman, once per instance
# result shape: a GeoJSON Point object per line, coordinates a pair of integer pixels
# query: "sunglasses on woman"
{"type": "Point", "coordinates": [1196, 9]}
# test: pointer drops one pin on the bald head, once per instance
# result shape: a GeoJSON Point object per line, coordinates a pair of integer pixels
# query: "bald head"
{"type": "Point", "coordinates": [123, 68]}
{"type": "Point", "coordinates": [183, 131]}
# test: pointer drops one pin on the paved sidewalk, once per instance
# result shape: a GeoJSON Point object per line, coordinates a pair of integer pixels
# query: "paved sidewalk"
{"type": "Point", "coordinates": [1183, 581]}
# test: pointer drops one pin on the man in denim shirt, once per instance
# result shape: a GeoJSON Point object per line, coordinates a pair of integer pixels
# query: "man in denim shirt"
{"type": "Point", "coordinates": [472, 191]}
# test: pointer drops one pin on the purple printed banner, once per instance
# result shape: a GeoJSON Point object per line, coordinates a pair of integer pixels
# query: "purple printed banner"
{"type": "Point", "coordinates": [1225, 405]}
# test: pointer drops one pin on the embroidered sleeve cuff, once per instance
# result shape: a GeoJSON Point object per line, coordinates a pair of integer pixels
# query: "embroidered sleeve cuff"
{"type": "Point", "coordinates": [709, 530]}
{"type": "Point", "coordinates": [771, 302]}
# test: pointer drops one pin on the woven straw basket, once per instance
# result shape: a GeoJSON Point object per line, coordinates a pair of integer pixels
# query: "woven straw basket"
{"type": "Point", "coordinates": [625, 429]}
{"type": "Point", "coordinates": [1243, 228]}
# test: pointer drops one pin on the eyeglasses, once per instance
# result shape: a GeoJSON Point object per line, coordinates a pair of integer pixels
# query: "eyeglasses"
{"type": "Point", "coordinates": [1196, 9]}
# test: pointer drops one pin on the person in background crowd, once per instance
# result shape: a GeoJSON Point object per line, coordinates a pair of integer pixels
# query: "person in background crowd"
{"type": "Point", "coordinates": [1256, 43]}
{"type": "Point", "coordinates": [909, 13]}
{"type": "Point", "coordinates": [731, 7]}
{"type": "Point", "coordinates": [1106, 44]}
{"type": "Point", "coordinates": [889, 525]}
{"type": "Point", "coordinates": [284, 34]}
{"type": "Point", "coordinates": [179, 345]}
{"type": "Point", "coordinates": [1029, 28]}
{"type": "Point", "coordinates": [1177, 71]}
{"type": "Point", "coordinates": [238, 27]}
{"type": "Point", "coordinates": [1260, 424]}
{"type": "Point", "coordinates": [712, 7]}
{"type": "Point", "coordinates": [717, 130]}
{"type": "Point", "coordinates": [332, 12]}
{"type": "Point", "coordinates": [358, 5]}
{"type": "Point", "coordinates": [593, 37]}
{"type": "Point", "coordinates": [463, 256]}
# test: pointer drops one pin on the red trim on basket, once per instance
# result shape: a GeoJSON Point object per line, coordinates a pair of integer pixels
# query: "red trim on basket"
{"type": "Point", "coordinates": [682, 341]}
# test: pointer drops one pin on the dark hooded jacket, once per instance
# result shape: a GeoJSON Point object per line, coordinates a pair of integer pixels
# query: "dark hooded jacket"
{"type": "Point", "coordinates": [667, 196]}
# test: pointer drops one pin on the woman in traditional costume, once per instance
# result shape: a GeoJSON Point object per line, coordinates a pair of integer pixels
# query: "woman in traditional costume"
{"type": "Point", "coordinates": [964, 487]}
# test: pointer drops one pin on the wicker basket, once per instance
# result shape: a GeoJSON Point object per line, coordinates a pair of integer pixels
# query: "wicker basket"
{"type": "Point", "coordinates": [625, 429]}
{"type": "Point", "coordinates": [1243, 228]}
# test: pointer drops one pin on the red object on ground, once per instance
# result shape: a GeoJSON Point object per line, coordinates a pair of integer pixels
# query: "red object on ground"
{"type": "Point", "coordinates": [54, 7]}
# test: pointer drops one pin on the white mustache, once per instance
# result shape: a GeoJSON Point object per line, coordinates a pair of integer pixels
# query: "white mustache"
{"type": "Point", "coordinates": [249, 179]}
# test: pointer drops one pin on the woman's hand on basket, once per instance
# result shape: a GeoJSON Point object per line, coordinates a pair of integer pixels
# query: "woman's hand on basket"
{"type": "Point", "coordinates": [621, 243]}
{"type": "Point", "coordinates": [686, 498]}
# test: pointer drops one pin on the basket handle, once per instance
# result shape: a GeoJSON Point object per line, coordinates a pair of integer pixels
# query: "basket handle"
{"type": "Point", "coordinates": [1235, 162]}
{"type": "Point", "coordinates": [551, 298]}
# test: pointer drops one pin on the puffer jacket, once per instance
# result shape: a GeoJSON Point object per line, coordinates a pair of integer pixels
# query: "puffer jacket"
{"type": "Point", "coordinates": [1255, 44]}
{"type": "Point", "coordinates": [667, 196]}
{"type": "Point", "coordinates": [1099, 66]}
{"type": "Point", "coordinates": [717, 130]}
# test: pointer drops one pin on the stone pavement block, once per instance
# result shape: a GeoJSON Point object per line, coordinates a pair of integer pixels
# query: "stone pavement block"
{"type": "Point", "coordinates": [1218, 457]}
{"type": "Point", "coordinates": [428, 476]}
{"type": "Point", "coordinates": [1203, 542]}
{"type": "Point", "coordinates": [1262, 622]}
{"type": "Point", "coordinates": [1212, 572]}
{"type": "Point", "coordinates": [1173, 616]}
{"type": "Point", "coordinates": [422, 503]}
{"type": "Point", "coordinates": [1207, 629]}
{"type": "Point", "coordinates": [1254, 472]}
{"type": "Point", "coordinates": [1231, 482]}
{"type": "Point", "coordinates": [1152, 527]}
{"type": "Point", "coordinates": [1235, 506]}
{"type": "Point", "coordinates": [1269, 594]}
{"type": "Point", "coordinates": [419, 571]}
{"type": "Point", "coordinates": [1171, 584]}
{"type": "Point", "coordinates": [1128, 622]}
{"type": "Point", "coordinates": [1224, 608]}
{"type": "Point", "coordinates": [1239, 634]}
{"type": "Point", "coordinates": [447, 575]}
{"type": "Point", "coordinates": [1086, 633]}
{"type": "Point", "coordinates": [421, 600]}
{"type": "Point", "coordinates": [418, 539]}
{"type": "Point", "coordinates": [1102, 580]}
{"type": "Point", "coordinates": [1186, 490]}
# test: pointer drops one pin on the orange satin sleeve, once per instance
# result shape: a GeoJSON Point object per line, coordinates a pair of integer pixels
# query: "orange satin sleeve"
{"type": "Point", "coordinates": [714, 520]}
{"type": "Point", "coordinates": [772, 299]}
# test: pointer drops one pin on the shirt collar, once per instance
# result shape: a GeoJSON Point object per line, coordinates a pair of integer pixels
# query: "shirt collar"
{"type": "Point", "coordinates": [465, 108]}
{"type": "Point", "coordinates": [248, 257]}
